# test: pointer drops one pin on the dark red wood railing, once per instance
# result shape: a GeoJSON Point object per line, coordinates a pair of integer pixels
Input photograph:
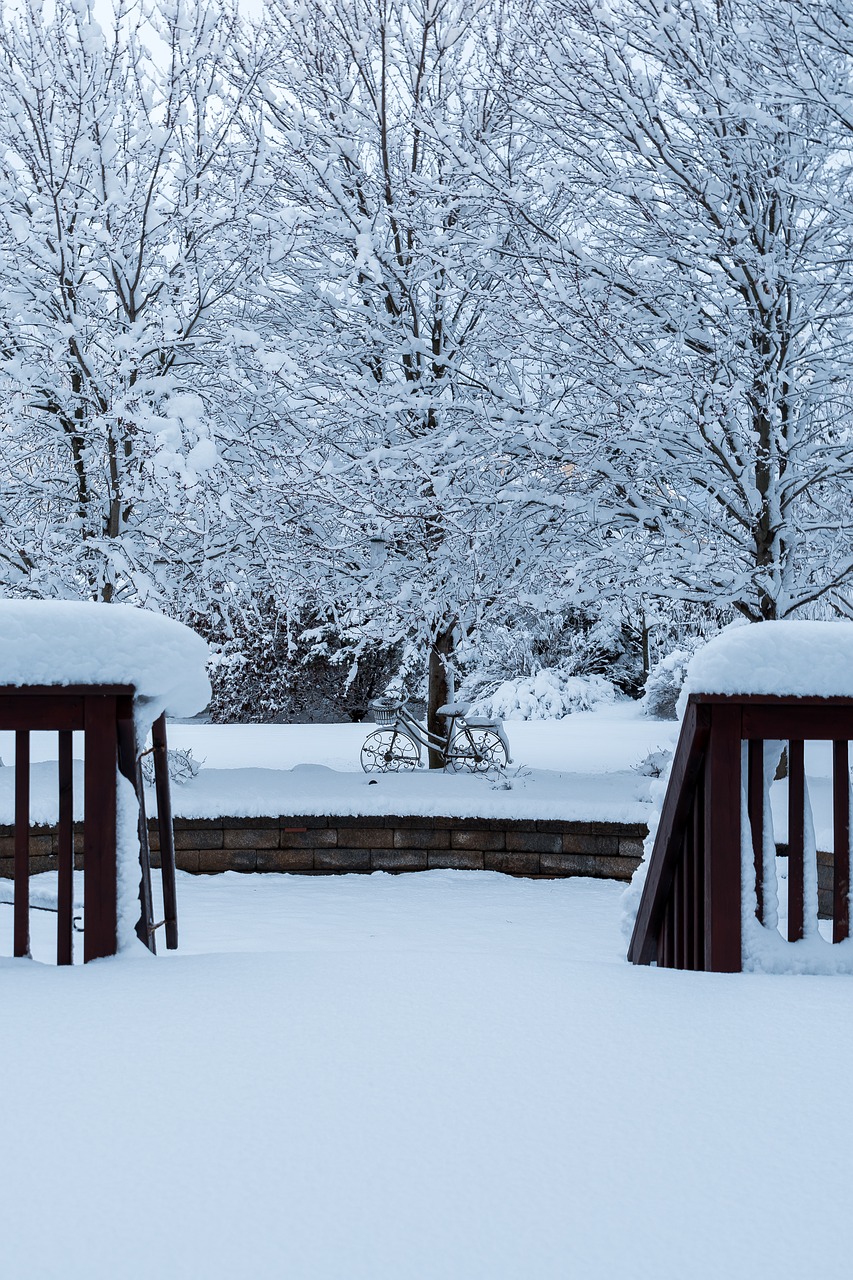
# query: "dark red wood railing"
{"type": "Point", "coordinates": [690, 910]}
{"type": "Point", "coordinates": [105, 716]}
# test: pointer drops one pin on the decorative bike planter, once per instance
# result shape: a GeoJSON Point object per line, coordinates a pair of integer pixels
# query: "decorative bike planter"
{"type": "Point", "coordinates": [470, 744]}
{"type": "Point", "coordinates": [72, 649]}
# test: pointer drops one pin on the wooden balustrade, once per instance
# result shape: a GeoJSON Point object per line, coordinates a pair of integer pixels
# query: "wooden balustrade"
{"type": "Point", "coordinates": [690, 911]}
{"type": "Point", "coordinates": [105, 716]}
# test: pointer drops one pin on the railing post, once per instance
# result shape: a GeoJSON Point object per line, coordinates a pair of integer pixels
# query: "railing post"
{"type": "Point", "coordinates": [755, 801]}
{"type": "Point", "coordinates": [99, 838]}
{"type": "Point", "coordinates": [65, 852]}
{"type": "Point", "coordinates": [167, 838]}
{"type": "Point", "coordinates": [21, 913]}
{"type": "Point", "coordinates": [840, 841]}
{"type": "Point", "coordinates": [722, 841]}
{"type": "Point", "coordinates": [796, 836]}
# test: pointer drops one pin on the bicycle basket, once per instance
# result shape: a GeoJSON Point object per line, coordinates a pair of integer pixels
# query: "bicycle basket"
{"type": "Point", "coordinates": [384, 710]}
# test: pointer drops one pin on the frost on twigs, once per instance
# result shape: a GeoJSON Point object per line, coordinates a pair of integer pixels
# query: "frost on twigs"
{"type": "Point", "coordinates": [183, 766]}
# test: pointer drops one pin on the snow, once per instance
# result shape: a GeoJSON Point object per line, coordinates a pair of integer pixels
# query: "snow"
{"type": "Point", "coordinates": [63, 642]}
{"type": "Point", "coordinates": [802, 659]}
{"type": "Point", "coordinates": [439, 1077]}
{"type": "Point", "coordinates": [582, 768]}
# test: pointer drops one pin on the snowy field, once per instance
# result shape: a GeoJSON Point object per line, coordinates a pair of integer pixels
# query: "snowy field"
{"type": "Point", "coordinates": [451, 1075]}
{"type": "Point", "coordinates": [582, 768]}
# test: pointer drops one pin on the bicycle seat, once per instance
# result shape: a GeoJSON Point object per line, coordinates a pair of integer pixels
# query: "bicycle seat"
{"type": "Point", "coordinates": [483, 722]}
{"type": "Point", "coordinates": [454, 709]}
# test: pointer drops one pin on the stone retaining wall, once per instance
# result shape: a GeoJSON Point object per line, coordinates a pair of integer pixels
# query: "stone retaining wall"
{"type": "Point", "coordinates": [311, 845]}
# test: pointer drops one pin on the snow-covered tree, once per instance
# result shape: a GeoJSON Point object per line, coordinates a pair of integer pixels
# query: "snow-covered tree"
{"type": "Point", "coordinates": [126, 190]}
{"type": "Point", "coordinates": [398, 329]}
{"type": "Point", "coordinates": [698, 306]}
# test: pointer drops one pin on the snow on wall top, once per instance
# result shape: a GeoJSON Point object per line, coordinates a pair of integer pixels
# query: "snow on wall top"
{"type": "Point", "coordinates": [62, 642]}
{"type": "Point", "coordinates": [800, 659]}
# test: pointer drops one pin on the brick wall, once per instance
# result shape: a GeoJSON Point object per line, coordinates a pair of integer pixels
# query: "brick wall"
{"type": "Point", "coordinates": [326, 845]}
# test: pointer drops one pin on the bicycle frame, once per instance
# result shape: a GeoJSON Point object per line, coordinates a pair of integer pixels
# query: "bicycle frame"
{"type": "Point", "coordinates": [405, 723]}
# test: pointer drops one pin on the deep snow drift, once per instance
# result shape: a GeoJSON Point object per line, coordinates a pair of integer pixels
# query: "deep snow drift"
{"type": "Point", "coordinates": [443, 1076]}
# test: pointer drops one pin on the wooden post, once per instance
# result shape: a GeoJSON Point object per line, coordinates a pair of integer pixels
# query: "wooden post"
{"type": "Point", "coordinates": [65, 852]}
{"type": "Point", "coordinates": [131, 767]}
{"type": "Point", "coordinates": [99, 853]}
{"type": "Point", "coordinates": [164, 823]}
{"type": "Point", "coordinates": [722, 841]}
{"type": "Point", "coordinates": [796, 836]}
{"type": "Point", "coordinates": [688, 897]}
{"type": "Point", "coordinates": [755, 801]}
{"type": "Point", "coordinates": [697, 819]}
{"type": "Point", "coordinates": [21, 945]}
{"type": "Point", "coordinates": [679, 917]}
{"type": "Point", "coordinates": [840, 841]}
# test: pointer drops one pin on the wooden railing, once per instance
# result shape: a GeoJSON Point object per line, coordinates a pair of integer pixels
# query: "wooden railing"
{"type": "Point", "coordinates": [690, 911]}
{"type": "Point", "coordinates": [105, 716]}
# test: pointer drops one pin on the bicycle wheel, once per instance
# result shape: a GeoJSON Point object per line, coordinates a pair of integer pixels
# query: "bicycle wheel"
{"type": "Point", "coordinates": [476, 750]}
{"type": "Point", "coordinates": [388, 751]}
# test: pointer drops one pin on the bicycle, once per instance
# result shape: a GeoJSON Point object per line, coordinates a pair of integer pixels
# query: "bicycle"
{"type": "Point", "coordinates": [472, 743]}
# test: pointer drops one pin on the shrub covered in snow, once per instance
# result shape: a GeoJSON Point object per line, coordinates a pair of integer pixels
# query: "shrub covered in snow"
{"type": "Point", "coordinates": [549, 694]}
{"type": "Point", "coordinates": [666, 678]}
{"type": "Point", "coordinates": [183, 766]}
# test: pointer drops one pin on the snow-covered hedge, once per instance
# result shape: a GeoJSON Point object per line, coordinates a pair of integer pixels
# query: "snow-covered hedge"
{"type": "Point", "coordinates": [550, 694]}
{"type": "Point", "coordinates": [666, 680]}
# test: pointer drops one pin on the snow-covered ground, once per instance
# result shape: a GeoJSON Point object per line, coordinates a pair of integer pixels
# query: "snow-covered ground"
{"type": "Point", "coordinates": [582, 767]}
{"type": "Point", "coordinates": [453, 1076]}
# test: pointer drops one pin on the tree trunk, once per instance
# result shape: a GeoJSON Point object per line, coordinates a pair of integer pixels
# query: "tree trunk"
{"type": "Point", "coordinates": [440, 690]}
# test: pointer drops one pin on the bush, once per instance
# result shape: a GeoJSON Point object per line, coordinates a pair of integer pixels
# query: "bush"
{"type": "Point", "coordinates": [550, 694]}
{"type": "Point", "coordinates": [666, 680]}
{"type": "Point", "coordinates": [279, 669]}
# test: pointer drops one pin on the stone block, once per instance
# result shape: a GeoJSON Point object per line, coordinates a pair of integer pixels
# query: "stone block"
{"type": "Point", "coordinates": [584, 864]}
{"type": "Point", "coordinates": [40, 847]}
{"type": "Point", "coordinates": [533, 842]}
{"type": "Point", "coordinates": [254, 824]}
{"type": "Point", "coordinates": [630, 848]}
{"type": "Point", "coordinates": [516, 863]}
{"type": "Point", "coordinates": [7, 846]}
{"type": "Point", "coordinates": [186, 860]}
{"type": "Point", "coordinates": [406, 823]}
{"type": "Point", "coordinates": [318, 838]}
{"type": "Point", "coordinates": [285, 860]}
{"type": "Point", "coordinates": [354, 823]}
{"type": "Point", "coordinates": [421, 838]}
{"type": "Point", "coordinates": [226, 859]}
{"type": "Point", "coordinates": [474, 839]}
{"type": "Point", "coordinates": [7, 868]}
{"type": "Point", "coordinates": [456, 860]}
{"type": "Point", "coordinates": [250, 838]}
{"type": "Point", "coordinates": [598, 846]}
{"type": "Point", "coordinates": [342, 859]}
{"type": "Point", "coordinates": [209, 838]}
{"type": "Point", "coordinates": [41, 862]}
{"type": "Point", "coordinates": [365, 837]}
{"type": "Point", "coordinates": [312, 823]}
{"type": "Point", "coordinates": [205, 824]}
{"type": "Point", "coordinates": [398, 860]}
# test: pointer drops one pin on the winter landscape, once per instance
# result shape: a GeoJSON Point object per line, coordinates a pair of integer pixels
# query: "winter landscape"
{"type": "Point", "coordinates": [364, 355]}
